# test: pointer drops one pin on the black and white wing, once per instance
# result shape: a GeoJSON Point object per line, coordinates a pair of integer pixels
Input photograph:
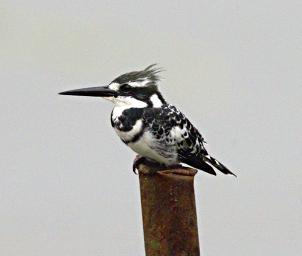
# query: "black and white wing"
{"type": "Point", "coordinates": [174, 134]}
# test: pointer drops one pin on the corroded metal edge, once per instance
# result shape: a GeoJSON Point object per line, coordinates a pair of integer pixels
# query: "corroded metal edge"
{"type": "Point", "coordinates": [178, 170]}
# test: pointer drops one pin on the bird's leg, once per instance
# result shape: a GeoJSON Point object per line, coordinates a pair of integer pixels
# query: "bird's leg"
{"type": "Point", "coordinates": [157, 167]}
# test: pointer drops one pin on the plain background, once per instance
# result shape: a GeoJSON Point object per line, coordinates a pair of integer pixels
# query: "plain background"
{"type": "Point", "coordinates": [233, 67]}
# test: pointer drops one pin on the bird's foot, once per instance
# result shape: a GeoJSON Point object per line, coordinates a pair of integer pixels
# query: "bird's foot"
{"type": "Point", "coordinates": [152, 167]}
{"type": "Point", "coordinates": [142, 160]}
{"type": "Point", "coordinates": [137, 161]}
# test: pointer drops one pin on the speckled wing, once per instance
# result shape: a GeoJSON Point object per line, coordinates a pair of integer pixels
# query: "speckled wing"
{"type": "Point", "coordinates": [174, 134]}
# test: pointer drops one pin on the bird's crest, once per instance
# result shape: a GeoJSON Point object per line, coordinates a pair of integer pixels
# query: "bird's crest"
{"type": "Point", "coordinates": [150, 74]}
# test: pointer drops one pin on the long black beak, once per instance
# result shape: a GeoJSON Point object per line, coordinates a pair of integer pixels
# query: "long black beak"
{"type": "Point", "coordinates": [100, 91]}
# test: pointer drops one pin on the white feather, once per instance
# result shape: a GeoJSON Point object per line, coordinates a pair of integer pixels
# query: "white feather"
{"type": "Point", "coordinates": [156, 101]}
{"type": "Point", "coordinates": [140, 83]}
{"type": "Point", "coordinates": [145, 147]}
{"type": "Point", "coordinates": [114, 86]}
{"type": "Point", "coordinates": [177, 133]}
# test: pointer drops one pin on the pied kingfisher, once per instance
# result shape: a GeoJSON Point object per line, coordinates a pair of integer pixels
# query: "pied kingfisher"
{"type": "Point", "coordinates": [151, 127]}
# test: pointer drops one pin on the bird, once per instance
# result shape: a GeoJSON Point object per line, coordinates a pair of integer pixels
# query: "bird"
{"type": "Point", "coordinates": [156, 130]}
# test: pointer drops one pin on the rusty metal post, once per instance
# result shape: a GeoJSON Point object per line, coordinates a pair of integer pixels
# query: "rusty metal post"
{"type": "Point", "coordinates": [169, 211]}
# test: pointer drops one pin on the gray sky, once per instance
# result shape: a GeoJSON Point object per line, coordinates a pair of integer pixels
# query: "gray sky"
{"type": "Point", "coordinates": [233, 67]}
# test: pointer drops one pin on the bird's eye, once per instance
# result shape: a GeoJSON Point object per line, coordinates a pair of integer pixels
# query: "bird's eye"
{"type": "Point", "coordinates": [125, 87]}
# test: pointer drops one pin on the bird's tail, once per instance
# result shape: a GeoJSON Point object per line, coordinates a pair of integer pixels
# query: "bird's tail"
{"type": "Point", "coordinates": [212, 161]}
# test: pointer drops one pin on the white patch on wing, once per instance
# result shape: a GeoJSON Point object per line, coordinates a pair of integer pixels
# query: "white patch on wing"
{"type": "Point", "coordinates": [156, 101]}
{"type": "Point", "coordinates": [177, 133]}
{"type": "Point", "coordinates": [126, 136]}
{"type": "Point", "coordinates": [195, 146]}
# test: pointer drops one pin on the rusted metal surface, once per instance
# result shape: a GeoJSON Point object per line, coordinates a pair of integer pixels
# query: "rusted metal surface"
{"type": "Point", "coordinates": [169, 212]}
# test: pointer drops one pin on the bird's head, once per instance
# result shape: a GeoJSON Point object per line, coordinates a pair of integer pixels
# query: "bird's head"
{"type": "Point", "coordinates": [133, 89]}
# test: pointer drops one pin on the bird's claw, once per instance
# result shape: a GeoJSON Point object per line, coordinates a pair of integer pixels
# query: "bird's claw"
{"type": "Point", "coordinates": [137, 161]}
{"type": "Point", "coordinates": [134, 169]}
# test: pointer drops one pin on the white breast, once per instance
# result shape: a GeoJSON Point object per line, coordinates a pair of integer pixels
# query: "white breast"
{"type": "Point", "coordinates": [145, 147]}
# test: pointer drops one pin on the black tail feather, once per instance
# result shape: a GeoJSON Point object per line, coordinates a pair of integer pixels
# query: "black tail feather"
{"type": "Point", "coordinates": [201, 165]}
{"type": "Point", "coordinates": [219, 166]}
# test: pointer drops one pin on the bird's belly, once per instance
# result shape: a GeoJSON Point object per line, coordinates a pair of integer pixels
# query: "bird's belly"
{"type": "Point", "coordinates": [145, 148]}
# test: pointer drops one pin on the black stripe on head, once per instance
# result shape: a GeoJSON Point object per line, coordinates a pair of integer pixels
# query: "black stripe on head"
{"type": "Point", "coordinates": [161, 98]}
{"type": "Point", "coordinates": [147, 78]}
{"type": "Point", "coordinates": [140, 93]}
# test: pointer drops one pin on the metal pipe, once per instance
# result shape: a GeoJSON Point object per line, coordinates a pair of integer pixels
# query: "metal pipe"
{"type": "Point", "coordinates": [169, 211]}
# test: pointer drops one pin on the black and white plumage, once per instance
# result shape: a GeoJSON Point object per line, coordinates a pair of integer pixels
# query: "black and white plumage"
{"type": "Point", "coordinates": [149, 125]}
